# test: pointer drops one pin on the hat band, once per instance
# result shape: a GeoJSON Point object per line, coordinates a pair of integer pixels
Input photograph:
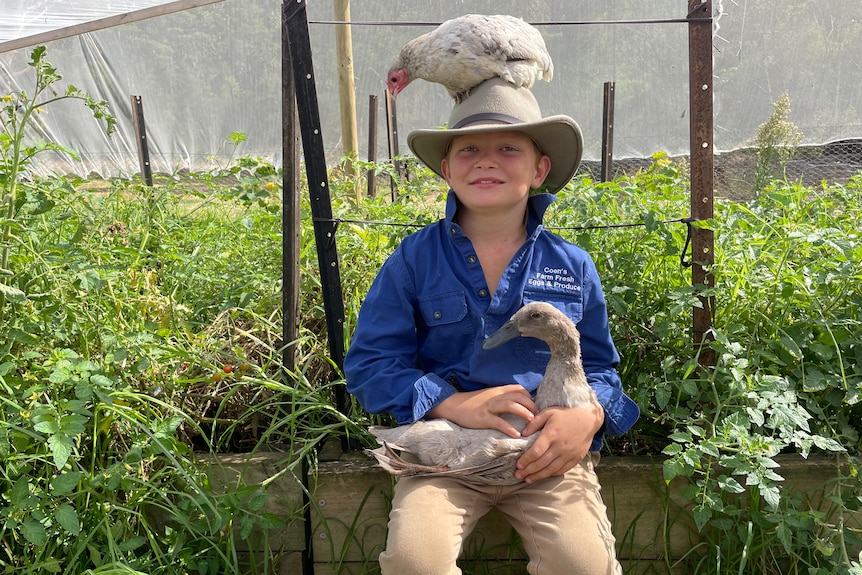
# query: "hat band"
{"type": "Point", "coordinates": [485, 117]}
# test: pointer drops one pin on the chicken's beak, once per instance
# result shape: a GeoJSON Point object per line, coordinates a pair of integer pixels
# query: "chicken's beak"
{"type": "Point", "coordinates": [508, 332]}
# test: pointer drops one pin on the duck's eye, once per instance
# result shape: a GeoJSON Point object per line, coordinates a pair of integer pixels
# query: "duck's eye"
{"type": "Point", "coordinates": [536, 314]}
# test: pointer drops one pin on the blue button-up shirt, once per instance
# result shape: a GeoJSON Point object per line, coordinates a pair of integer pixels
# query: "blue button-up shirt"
{"type": "Point", "coordinates": [420, 330]}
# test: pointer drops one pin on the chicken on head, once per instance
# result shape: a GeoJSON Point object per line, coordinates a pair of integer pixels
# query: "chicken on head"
{"type": "Point", "coordinates": [464, 52]}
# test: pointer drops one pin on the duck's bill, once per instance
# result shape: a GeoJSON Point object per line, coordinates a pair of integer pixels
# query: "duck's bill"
{"type": "Point", "coordinates": [508, 332]}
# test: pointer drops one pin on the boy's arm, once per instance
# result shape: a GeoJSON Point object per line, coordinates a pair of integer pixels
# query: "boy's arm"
{"type": "Point", "coordinates": [380, 364]}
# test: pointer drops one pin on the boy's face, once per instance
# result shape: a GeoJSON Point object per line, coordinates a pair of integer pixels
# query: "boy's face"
{"type": "Point", "coordinates": [494, 169]}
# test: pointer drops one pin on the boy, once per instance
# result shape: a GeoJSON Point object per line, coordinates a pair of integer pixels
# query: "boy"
{"type": "Point", "coordinates": [417, 349]}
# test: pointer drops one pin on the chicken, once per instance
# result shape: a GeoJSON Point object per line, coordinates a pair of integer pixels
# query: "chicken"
{"type": "Point", "coordinates": [439, 447]}
{"type": "Point", "coordinates": [464, 52]}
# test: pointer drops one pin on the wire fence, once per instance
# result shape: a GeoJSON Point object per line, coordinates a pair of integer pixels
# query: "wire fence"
{"type": "Point", "coordinates": [734, 172]}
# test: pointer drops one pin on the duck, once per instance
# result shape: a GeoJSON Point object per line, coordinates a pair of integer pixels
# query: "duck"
{"type": "Point", "coordinates": [442, 448]}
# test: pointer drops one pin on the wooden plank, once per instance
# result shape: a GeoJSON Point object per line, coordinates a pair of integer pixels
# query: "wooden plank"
{"type": "Point", "coordinates": [350, 500]}
{"type": "Point", "coordinates": [497, 568]}
{"type": "Point", "coordinates": [355, 568]}
{"type": "Point", "coordinates": [230, 472]}
{"type": "Point", "coordinates": [102, 23]}
{"type": "Point", "coordinates": [638, 502]}
{"type": "Point", "coordinates": [290, 564]}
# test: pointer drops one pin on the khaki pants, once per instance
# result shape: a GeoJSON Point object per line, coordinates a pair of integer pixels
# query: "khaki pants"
{"type": "Point", "coordinates": [562, 521]}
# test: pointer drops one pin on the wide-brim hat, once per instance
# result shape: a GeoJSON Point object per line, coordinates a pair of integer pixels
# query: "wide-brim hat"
{"type": "Point", "coordinates": [498, 106]}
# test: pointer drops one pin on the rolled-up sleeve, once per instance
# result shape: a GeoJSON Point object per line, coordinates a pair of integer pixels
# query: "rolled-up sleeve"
{"type": "Point", "coordinates": [600, 359]}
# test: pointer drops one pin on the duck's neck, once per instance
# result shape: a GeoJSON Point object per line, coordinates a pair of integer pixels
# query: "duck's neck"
{"type": "Point", "coordinates": [565, 383]}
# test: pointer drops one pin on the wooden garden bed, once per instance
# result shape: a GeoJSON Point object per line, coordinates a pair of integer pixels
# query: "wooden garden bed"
{"type": "Point", "coordinates": [350, 502]}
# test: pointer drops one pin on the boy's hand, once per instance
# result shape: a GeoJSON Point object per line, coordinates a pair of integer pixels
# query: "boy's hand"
{"type": "Point", "coordinates": [482, 409]}
{"type": "Point", "coordinates": [565, 438]}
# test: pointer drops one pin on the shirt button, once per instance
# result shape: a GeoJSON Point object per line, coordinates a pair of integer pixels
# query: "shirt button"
{"type": "Point", "coordinates": [453, 230]}
{"type": "Point", "coordinates": [471, 259]}
{"type": "Point", "coordinates": [483, 293]}
{"type": "Point", "coordinates": [438, 315]}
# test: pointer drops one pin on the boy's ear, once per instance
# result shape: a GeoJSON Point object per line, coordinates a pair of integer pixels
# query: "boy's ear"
{"type": "Point", "coordinates": [444, 169]}
{"type": "Point", "coordinates": [543, 166]}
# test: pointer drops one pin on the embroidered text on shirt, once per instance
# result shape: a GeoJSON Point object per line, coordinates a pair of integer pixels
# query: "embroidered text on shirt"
{"type": "Point", "coordinates": [554, 278]}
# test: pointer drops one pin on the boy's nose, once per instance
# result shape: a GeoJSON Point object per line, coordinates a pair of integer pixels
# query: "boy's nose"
{"type": "Point", "coordinates": [485, 159]}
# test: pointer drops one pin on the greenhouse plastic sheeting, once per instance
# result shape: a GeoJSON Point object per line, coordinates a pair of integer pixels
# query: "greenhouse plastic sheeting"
{"type": "Point", "coordinates": [208, 72]}
{"type": "Point", "coordinates": [23, 18]}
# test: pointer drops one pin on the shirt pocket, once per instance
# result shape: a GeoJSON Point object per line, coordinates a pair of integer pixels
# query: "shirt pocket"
{"type": "Point", "coordinates": [536, 352]}
{"type": "Point", "coordinates": [448, 331]}
{"type": "Point", "coordinates": [571, 305]}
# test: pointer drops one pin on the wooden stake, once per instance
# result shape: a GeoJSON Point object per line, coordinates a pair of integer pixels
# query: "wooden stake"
{"type": "Point", "coordinates": [346, 87]}
{"type": "Point", "coordinates": [290, 208]}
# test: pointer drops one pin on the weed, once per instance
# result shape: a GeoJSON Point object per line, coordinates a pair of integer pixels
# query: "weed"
{"type": "Point", "coordinates": [776, 142]}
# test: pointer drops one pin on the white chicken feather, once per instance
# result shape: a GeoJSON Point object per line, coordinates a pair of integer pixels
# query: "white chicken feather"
{"type": "Point", "coordinates": [464, 52]}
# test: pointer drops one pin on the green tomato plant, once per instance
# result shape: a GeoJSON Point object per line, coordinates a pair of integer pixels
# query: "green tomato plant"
{"type": "Point", "coordinates": [16, 152]}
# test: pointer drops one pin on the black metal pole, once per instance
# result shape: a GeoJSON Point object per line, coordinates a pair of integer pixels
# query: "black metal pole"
{"type": "Point", "coordinates": [141, 134]}
{"type": "Point", "coordinates": [608, 132]}
{"type": "Point", "coordinates": [296, 25]}
{"type": "Point", "coordinates": [372, 144]}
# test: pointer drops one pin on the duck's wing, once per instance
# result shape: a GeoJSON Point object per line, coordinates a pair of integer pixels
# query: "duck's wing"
{"type": "Point", "coordinates": [498, 471]}
{"type": "Point", "coordinates": [393, 463]}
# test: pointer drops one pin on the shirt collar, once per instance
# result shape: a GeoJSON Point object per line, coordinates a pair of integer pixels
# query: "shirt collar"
{"type": "Point", "coordinates": [536, 207]}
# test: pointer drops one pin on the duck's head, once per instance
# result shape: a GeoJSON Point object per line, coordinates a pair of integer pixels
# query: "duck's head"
{"type": "Point", "coordinates": [537, 319]}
